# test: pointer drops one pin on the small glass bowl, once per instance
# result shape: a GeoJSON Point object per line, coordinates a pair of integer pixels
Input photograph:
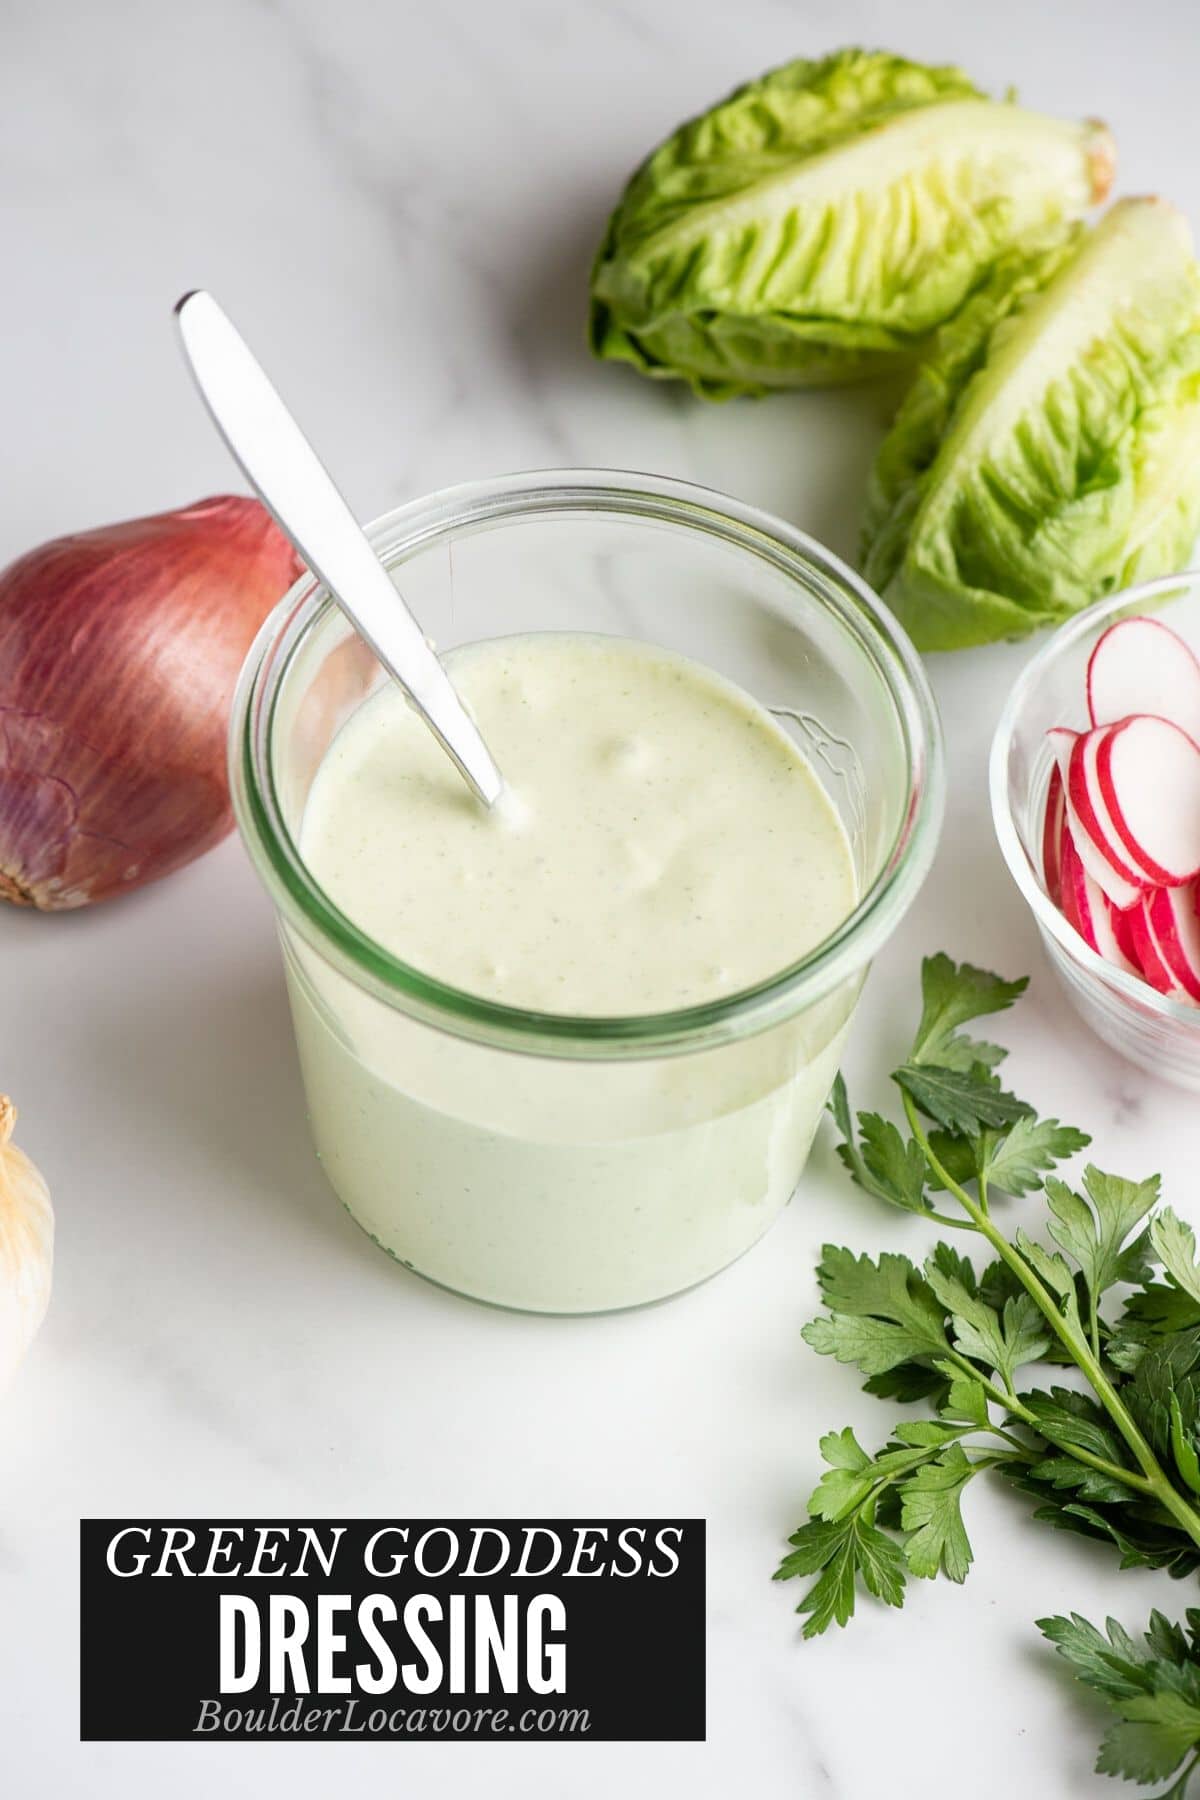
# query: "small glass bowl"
{"type": "Point", "coordinates": [1159, 1033]}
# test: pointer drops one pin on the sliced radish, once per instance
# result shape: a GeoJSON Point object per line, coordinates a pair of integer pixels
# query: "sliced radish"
{"type": "Point", "coordinates": [1075, 903]}
{"type": "Point", "coordinates": [1122, 924]}
{"type": "Point", "coordinates": [1150, 958]}
{"type": "Point", "coordinates": [1089, 910]}
{"type": "Point", "coordinates": [1121, 891]}
{"type": "Point", "coordinates": [1140, 666]}
{"type": "Point", "coordinates": [1052, 830]}
{"type": "Point", "coordinates": [1121, 827]}
{"type": "Point", "coordinates": [1062, 742]}
{"type": "Point", "coordinates": [1112, 936]}
{"type": "Point", "coordinates": [1176, 932]}
{"type": "Point", "coordinates": [1087, 799]}
{"type": "Point", "coordinates": [1148, 772]}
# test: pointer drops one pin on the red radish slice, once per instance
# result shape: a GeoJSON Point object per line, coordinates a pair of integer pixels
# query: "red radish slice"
{"type": "Point", "coordinates": [1140, 666]}
{"type": "Point", "coordinates": [1122, 924]}
{"type": "Point", "coordinates": [1062, 742]}
{"type": "Point", "coordinates": [1150, 958]}
{"type": "Point", "coordinates": [1112, 934]}
{"type": "Point", "coordinates": [1149, 775]}
{"type": "Point", "coordinates": [1161, 877]}
{"type": "Point", "coordinates": [1087, 908]}
{"type": "Point", "coordinates": [1052, 830]}
{"type": "Point", "coordinates": [1120, 891]}
{"type": "Point", "coordinates": [1087, 799]}
{"type": "Point", "coordinates": [1121, 828]}
{"type": "Point", "coordinates": [1176, 932]}
{"type": "Point", "coordinates": [1076, 909]}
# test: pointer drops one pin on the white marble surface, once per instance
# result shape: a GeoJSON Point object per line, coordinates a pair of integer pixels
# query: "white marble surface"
{"type": "Point", "coordinates": [399, 203]}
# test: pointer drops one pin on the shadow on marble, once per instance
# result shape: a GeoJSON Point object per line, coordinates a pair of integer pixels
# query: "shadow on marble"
{"type": "Point", "coordinates": [213, 1061]}
{"type": "Point", "coordinates": [548, 312]}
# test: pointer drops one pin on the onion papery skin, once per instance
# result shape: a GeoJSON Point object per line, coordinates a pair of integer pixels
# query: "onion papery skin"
{"type": "Point", "coordinates": [119, 653]}
{"type": "Point", "coordinates": [26, 1248]}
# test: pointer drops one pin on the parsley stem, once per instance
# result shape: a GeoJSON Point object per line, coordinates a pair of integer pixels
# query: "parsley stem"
{"type": "Point", "coordinates": [1010, 1401]}
{"type": "Point", "coordinates": [1023, 1452]}
{"type": "Point", "coordinates": [1003, 1396]}
{"type": "Point", "coordinates": [1155, 1481]}
{"type": "Point", "coordinates": [950, 1223]}
{"type": "Point", "coordinates": [1127, 1477]}
{"type": "Point", "coordinates": [995, 1459]}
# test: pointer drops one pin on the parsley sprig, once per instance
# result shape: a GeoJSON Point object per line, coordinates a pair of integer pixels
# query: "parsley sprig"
{"type": "Point", "coordinates": [1115, 1456]}
{"type": "Point", "coordinates": [1153, 1688]}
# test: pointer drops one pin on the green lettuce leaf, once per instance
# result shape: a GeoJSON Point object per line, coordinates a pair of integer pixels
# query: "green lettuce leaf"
{"type": "Point", "coordinates": [1049, 449]}
{"type": "Point", "coordinates": [821, 222]}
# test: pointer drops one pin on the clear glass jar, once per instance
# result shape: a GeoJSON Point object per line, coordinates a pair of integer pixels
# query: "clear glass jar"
{"type": "Point", "coordinates": [579, 1164]}
{"type": "Point", "coordinates": [1151, 1029]}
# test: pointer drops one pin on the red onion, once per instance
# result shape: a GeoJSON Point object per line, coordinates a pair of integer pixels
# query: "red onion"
{"type": "Point", "coordinates": [119, 651]}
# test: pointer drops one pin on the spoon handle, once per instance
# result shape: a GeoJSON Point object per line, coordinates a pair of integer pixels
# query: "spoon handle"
{"type": "Point", "coordinates": [297, 489]}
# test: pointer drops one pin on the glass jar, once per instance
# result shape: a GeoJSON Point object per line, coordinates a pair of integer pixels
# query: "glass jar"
{"type": "Point", "coordinates": [566, 1164]}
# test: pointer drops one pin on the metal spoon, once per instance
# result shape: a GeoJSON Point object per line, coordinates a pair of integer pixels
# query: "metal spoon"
{"type": "Point", "coordinates": [295, 486]}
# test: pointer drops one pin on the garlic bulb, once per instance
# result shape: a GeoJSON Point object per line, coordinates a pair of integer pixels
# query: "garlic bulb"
{"type": "Point", "coordinates": [26, 1247]}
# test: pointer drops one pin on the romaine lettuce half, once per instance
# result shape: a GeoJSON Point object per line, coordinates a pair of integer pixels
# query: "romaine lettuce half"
{"type": "Point", "coordinates": [822, 221]}
{"type": "Point", "coordinates": [1048, 451]}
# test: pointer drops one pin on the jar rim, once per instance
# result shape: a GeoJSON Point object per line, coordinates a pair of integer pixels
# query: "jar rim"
{"type": "Point", "coordinates": [397, 535]}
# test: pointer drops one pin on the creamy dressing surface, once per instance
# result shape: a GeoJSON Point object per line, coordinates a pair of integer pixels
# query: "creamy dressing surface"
{"type": "Point", "coordinates": [666, 843]}
{"type": "Point", "coordinates": [663, 840]}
